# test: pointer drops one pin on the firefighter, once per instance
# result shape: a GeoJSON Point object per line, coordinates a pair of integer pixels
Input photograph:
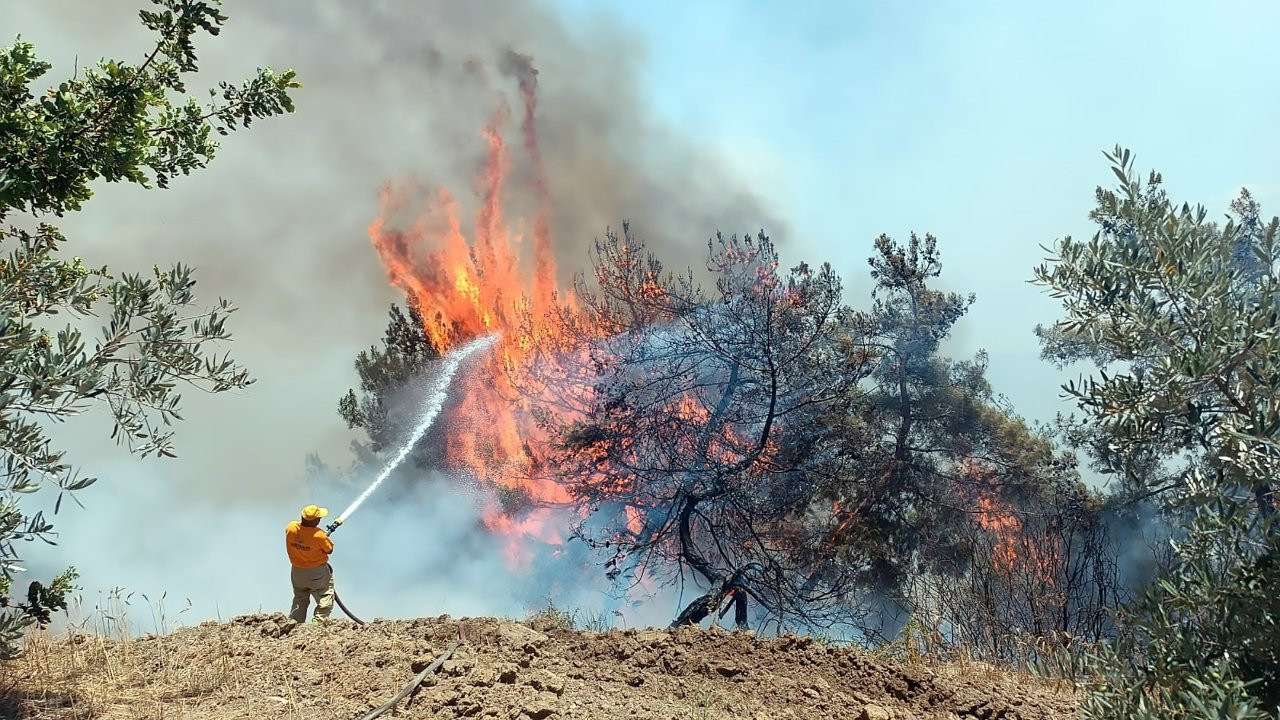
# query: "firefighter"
{"type": "Point", "coordinates": [309, 547]}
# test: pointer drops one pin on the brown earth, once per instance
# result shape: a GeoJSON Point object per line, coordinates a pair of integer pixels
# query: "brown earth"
{"type": "Point", "coordinates": [265, 666]}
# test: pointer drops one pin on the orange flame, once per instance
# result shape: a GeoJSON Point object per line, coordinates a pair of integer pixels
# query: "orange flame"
{"type": "Point", "coordinates": [994, 517]}
{"type": "Point", "coordinates": [469, 288]}
{"type": "Point", "coordinates": [470, 284]}
{"type": "Point", "coordinates": [1014, 549]}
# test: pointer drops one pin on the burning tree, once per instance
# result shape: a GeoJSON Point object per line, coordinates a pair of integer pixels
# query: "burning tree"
{"type": "Point", "coordinates": [755, 434]}
{"type": "Point", "coordinates": [552, 385]}
{"type": "Point", "coordinates": [947, 502]}
{"type": "Point", "coordinates": [760, 436]}
{"type": "Point", "coordinates": [692, 450]}
{"type": "Point", "coordinates": [1038, 571]}
{"type": "Point", "coordinates": [892, 459]}
{"type": "Point", "coordinates": [458, 287]}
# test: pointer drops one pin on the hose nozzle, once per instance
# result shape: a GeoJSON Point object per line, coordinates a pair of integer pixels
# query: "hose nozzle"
{"type": "Point", "coordinates": [333, 526]}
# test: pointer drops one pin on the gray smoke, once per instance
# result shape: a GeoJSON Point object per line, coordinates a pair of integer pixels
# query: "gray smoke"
{"type": "Point", "coordinates": [393, 89]}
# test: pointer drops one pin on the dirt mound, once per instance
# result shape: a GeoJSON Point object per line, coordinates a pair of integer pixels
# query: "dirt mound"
{"type": "Point", "coordinates": [265, 666]}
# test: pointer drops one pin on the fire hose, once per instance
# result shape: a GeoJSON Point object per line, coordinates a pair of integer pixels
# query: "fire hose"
{"type": "Point", "coordinates": [333, 526]}
{"type": "Point", "coordinates": [338, 599]}
{"type": "Point", "coordinates": [421, 676]}
{"type": "Point", "coordinates": [417, 680]}
{"type": "Point", "coordinates": [434, 402]}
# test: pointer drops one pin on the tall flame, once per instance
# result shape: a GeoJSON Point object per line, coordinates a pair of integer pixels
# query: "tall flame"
{"type": "Point", "coordinates": [466, 287]}
{"type": "Point", "coordinates": [472, 282]}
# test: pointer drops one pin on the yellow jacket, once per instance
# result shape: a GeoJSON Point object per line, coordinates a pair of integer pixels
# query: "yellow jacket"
{"type": "Point", "coordinates": [308, 547]}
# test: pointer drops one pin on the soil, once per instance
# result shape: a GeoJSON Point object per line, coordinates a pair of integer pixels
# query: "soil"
{"type": "Point", "coordinates": [266, 666]}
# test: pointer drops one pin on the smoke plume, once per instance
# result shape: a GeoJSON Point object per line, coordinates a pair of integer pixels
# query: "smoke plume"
{"type": "Point", "coordinates": [393, 90]}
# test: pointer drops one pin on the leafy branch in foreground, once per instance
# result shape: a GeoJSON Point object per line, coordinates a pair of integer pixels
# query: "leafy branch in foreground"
{"type": "Point", "coordinates": [114, 122]}
{"type": "Point", "coordinates": [1180, 316]}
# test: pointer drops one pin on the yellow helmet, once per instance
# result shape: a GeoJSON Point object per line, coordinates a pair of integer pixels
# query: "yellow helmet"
{"type": "Point", "coordinates": [314, 512]}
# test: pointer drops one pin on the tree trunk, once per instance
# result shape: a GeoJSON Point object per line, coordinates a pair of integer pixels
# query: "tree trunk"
{"type": "Point", "coordinates": [700, 608]}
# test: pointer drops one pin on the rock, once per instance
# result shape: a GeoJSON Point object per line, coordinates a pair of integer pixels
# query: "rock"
{"type": "Point", "coordinates": [728, 670]}
{"type": "Point", "coordinates": [813, 694]}
{"type": "Point", "coordinates": [446, 697]}
{"type": "Point", "coordinates": [254, 619]}
{"type": "Point", "coordinates": [519, 636]}
{"type": "Point", "coordinates": [456, 667]}
{"type": "Point", "coordinates": [898, 688]}
{"type": "Point", "coordinates": [274, 625]}
{"type": "Point", "coordinates": [654, 638]}
{"type": "Point", "coordinates": [507, 676]}
{"type": "Point", "coordinates": [873, 712]}
{"type": "Point", "coordinates": [546, 682]}
{"type": "Point", "coordinates": [798, 642]}
{"type": "Point", "coordinates": [541, 707]}
{"type": "Point", "coordinates": [482, 681]}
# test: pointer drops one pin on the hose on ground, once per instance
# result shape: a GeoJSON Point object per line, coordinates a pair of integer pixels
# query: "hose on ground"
{"type": "Point", "coordinates": [338, 599]}
{"type": "Point", "coordinates": [417, 680]}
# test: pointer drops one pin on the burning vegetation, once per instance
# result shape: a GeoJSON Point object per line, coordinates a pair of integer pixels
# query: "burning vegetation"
{"type": "Point", "coordinates": [808, 465]}
{"type": "Point", "coordinates": [738, 428]}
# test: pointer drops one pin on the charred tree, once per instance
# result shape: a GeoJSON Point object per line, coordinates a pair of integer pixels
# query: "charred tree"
{"type": "Point", "coordinates": [689, 445]}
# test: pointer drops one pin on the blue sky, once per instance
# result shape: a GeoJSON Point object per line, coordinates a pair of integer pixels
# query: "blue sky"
{"type": "Point", "coordinates": [981, 122]}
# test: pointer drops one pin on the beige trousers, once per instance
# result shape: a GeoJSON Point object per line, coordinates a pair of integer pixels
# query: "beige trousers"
{"type": "Point", "coordinates": [308, 583]}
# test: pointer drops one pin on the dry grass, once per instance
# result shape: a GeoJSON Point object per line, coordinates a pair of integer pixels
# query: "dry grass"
{"type": "Point", "coordinates": [921, 646]}
{"type": "Point", "coordinates": [706, 705]}
{"type": "Point", "coordinates": [102, 668]}
{"type": "Point", "coordinates": [262, 666]}
{"type": "Point", "coordinates": [97, 668]}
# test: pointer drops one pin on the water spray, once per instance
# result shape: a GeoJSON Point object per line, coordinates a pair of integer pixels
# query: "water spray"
{"type": "Point", "coordinates": [432, 405]}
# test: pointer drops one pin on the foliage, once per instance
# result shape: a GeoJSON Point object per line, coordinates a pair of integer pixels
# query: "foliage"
{"type": "Point", "coordinates": [384, 373]}
{"type": "Point", "coordinates": [121, 122]}
{"type": "Point", "coordinates": [889, 456]}
{"type": "Point", "coordinates": [42, 602]}
{"type": "Point", "coordinates": [1180, 317]}
{"type": "Point", "coordinates": [113, 122]}
{"type": "Point", "coordinates": [958, 513]}
{"type": "Point", "coordinates": [781, 447]}
{"type": "Point", "coordinates": [552, 617]}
